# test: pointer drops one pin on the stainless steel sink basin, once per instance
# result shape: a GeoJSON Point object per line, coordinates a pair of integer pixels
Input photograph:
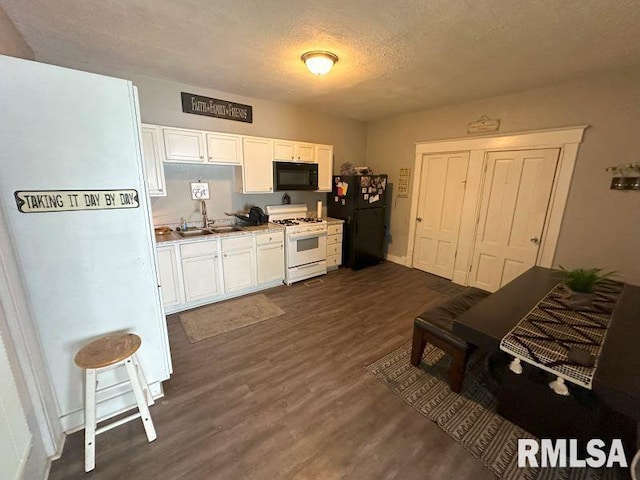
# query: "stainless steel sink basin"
{"type": "Point", "coordinates": [195, 232]}
{"type": "Point", "coordinates": [226, 228]}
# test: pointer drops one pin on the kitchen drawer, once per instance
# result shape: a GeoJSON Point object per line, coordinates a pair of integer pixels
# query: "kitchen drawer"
{"type": "Point", "coordinates": [270, 238]}
{"type": "Point", "coordinates": [333, 261]}
{"type": "Point", "coordinates": [333, 239]}
{"type": "Point", "coordinates": [334, 249]}
{"type": "Point", "coordinates": [199, 248]}
{"type": "Point", "coordinates": [236, 243]}
{"type": "Point", "coordinates": [334, 229]}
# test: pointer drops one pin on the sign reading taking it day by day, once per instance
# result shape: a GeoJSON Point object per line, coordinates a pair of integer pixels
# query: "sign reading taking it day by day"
{"type": "Point", "coordinates": [214, 107]}
{"type": "Point", "coordinates": [68, 200]}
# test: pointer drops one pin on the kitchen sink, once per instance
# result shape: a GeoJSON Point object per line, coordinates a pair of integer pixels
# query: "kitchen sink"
{"type": "Point", "coordinates": [197, 232]}
{"type": "Point", "coordinates": [226, 228]}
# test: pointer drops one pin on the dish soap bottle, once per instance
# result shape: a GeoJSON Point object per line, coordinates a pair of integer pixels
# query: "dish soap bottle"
{"type": "Point", "coordinates": [183, 225]}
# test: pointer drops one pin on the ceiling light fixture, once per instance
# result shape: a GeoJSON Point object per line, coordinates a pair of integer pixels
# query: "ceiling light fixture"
{"type": "Point", "coordinates": [319, 62]}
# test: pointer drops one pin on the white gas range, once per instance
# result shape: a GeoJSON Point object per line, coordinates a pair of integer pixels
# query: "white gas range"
{"type": "Point", "coordinates": [305, 244]}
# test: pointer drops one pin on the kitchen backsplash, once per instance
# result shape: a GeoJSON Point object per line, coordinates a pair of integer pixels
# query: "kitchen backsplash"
{"type": "Point", "coordinates": [178, 204]}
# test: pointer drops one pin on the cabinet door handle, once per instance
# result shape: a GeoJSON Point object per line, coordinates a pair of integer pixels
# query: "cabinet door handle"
{"type": "Point", "coordinates": [210, 158]}
{"type": "Point", "coordinates": [225, 254]}
{"type": "Point", "coordinates": [201, 156]}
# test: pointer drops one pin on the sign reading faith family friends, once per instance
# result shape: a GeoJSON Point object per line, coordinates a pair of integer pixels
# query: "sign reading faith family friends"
{"type": "Point", "coordinates": [68, 200]}
{"type": "Point", "coordinates": [214, 107]}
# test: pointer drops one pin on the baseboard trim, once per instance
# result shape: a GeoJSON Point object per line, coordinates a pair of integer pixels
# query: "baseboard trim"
{"type": "Point", "coordinates": [397, 259]}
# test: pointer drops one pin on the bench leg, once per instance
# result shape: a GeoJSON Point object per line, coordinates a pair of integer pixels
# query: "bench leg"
{"type": "Point", "coordinates": [418, 346]}
{"type": "Point", "coordinates": [456, 371]}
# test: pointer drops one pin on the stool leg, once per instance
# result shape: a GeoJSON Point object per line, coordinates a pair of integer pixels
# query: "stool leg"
{"type": "Point", "coordinates": [143, 380]}
{"type": "Point", "coordinates": [141, 400]}
{"type": "Point", "coordinates": [90, 420]}
{"type": "Point", "coordinates": [418, 345]}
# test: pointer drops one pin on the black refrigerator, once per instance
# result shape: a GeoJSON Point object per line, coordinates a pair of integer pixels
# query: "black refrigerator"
{"type": "Point", "coordinates": [360, 200]}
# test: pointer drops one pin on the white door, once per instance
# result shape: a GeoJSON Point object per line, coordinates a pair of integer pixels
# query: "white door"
{"type": "Point", "coordinates": [224, 149]}
{"type": "Point", "coordinates": [258, 165]}
{"type": "Point", "coordinates": [200, 277]}
{"type": "Point", "coordinates": [183, 145]}
{"type": "Point", "coordinates": [324, 157]}
{"type": "Point", "coordinates": [305, 152]}
{"type": "Point", "coordinates": [442, 186]}
{"type": "Point", "coordinates": [168, 276]}
{"type": "Point", "coordinates": [270, 259]}
{"type": "Point", "coordinates": [238, 270]}
{"type": "Point", "coordinates": [153, 160]}
{"type": "Point", "coordinates": [515, 197]}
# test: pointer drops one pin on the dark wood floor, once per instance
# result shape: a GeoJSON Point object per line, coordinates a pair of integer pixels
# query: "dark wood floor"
{"type": "Point", "coordinates": [289, 398]}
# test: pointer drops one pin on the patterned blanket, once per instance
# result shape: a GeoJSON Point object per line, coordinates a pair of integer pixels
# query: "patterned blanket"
{"type": "Point", "coordinates": [554, 328]}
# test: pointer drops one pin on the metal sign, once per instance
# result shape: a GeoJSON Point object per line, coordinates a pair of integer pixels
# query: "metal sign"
{"type": "Point", "coordinates": [403, 183]}
{"type": "Point", "coordinates": [41, 201]}
{"type": "Point", "coordinates": [214, 107]}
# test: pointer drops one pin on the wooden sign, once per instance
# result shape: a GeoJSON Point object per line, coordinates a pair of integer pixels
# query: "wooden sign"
{"type": "Point", "coordinates": [484, 124]}
{"type": "Point", "coordinates": [214, 107]}
{"type": "Point", "coordinates": [68, 200]}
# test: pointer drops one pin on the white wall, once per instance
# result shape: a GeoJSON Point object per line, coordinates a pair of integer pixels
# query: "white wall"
{"type": "Point", "coordinates": [160, 104]}
{"type": "Point", "coordinates": [11, 42]}
{"type": "Point", "coordinates": [601, 227]}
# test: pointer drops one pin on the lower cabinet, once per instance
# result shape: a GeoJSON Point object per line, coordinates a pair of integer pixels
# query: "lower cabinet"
{"type": "Point", "coordinates": [169, 278]}
{"type": "Point", "coordinates": [334, 246]}
{"type": "Point", "coordinates": [198, 272]}
{"type": "Point", "coordinates": [238, 269]}
{"type": "Point", "coordinates": [270, 257]}
{"type": "Point", "coordinates": [200, 276]}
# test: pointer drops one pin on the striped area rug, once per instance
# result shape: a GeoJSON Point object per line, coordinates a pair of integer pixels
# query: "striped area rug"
{"type": "Point", "coordinates": [468, 417]}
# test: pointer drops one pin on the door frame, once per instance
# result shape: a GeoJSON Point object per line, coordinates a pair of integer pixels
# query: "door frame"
{"type": "Point", "coordinates": [567, 139]}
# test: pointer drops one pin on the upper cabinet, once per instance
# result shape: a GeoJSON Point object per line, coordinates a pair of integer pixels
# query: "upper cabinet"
{"type": "Point", "coordinates": [324, 158]}
{"type": "Point", "coordinates": [285, 150]}
{"type": "Point", "coordinates": [153, 156]}
{"type": "Point", "coordinates": [257, 171]}
{"type": "Point", "coordinates": [253, 157]}
{"type": "Point", "coordinates": [182, 145]}
{"type": "Point", "coordinates": [224, 149]}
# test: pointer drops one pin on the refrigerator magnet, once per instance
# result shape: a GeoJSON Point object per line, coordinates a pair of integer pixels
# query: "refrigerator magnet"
{"type": "Point", "coordinates": [366, 196]}
{"type": "Point", "coordinates": [343, 201]}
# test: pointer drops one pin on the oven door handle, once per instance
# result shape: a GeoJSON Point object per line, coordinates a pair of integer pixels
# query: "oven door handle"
{"type": "Point", "coordinates": [302, 235]}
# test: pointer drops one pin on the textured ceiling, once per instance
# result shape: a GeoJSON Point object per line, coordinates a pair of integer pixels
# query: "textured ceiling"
{"type": "Point", "coordinates": [395, 56]}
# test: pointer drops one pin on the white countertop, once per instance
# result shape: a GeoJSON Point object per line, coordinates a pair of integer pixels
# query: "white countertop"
{"type": "Point", "coordinates": [173, 237]}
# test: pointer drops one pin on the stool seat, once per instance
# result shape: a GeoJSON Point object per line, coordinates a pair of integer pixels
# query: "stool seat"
{"type": "Point", "coordinates": [108, 350]}
{"type": "Point", "coordinates": [104, 354]}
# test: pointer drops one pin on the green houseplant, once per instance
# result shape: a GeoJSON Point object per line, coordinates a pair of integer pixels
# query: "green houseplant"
{"type": "Point", "coordinates": [583, 280]}
{"type": "Point", "coordinates": [580, 283]}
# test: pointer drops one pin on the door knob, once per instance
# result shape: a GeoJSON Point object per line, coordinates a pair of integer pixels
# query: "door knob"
{"type": "Point", "coordinates": [418, 219]}
{"type": "Point", "coordinates": [535, 240]}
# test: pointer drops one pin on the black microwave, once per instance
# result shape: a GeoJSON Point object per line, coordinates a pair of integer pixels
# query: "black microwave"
{"type": "Point", "coordinates": [295, 176]}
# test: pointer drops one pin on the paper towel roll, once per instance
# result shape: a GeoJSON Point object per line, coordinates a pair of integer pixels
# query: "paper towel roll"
{"type": "Point", "coordinates": [319, 209]}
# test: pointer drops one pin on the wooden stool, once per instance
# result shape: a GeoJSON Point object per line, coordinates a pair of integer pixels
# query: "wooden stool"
{"type": "Point", "coordinates": [105, 353]}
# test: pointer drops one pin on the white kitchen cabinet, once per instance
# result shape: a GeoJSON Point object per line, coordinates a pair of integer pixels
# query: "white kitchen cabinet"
{"type": "Point", "coordinates": [238, 263]}
{"type": "Point", "coordinates": [152, 155]}
{"type": "Point", "coordinates": [324, 157]}
{"type": "Point", "coordinates": [283, 150]}
{"type": "Point", "coordinates": [305, 152]}
{"type": "Point", "coordinates": [183, 145]}
{"type": "Point", "coordinates": [224, 149]}
{"type": "Point", "coordinates": [200, 270]}
{"type": "Point", "coordinates": [257, 170]}
{"type": "Point", "coordinates": [169, 278]}
{"type": "Point", "coordinates": [270, 257]}
{"type": "Point", "coordinates": [288, 151]}
{"type": "Point", "coordinates": [334, 246]}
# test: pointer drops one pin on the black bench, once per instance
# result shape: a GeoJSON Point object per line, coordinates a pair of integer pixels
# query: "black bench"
{"type": "Point", "coordinates": [435, 327]}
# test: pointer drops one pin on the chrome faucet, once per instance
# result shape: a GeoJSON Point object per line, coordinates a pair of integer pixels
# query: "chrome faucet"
{"type": "Point", "coordinates": [203, 210]}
